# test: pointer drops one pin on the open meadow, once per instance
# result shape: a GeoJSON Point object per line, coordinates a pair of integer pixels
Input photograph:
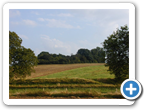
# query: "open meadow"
{"type": "Point", "coordinates": [67, 81]}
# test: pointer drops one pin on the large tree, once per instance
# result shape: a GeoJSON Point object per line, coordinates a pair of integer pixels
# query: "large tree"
{"type": "Point", "coordinates": [21, 60]}
{"type": "Point", "coordinates": [117, 53]}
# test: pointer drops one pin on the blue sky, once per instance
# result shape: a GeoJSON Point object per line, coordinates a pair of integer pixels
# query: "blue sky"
{"type": "Point", "coordinates": [65, 30]}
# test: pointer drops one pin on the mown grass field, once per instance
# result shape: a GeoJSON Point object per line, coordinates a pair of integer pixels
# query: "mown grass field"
{"type": "Point", "coordinates": [43, 70]}
{"type": "Point", "coordinates": [89, 72]}
{"type": "Point", "coordinates": [72, 81]}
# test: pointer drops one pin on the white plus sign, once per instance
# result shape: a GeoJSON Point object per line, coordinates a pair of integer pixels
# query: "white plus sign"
{"type": "Point", "coordinates": [131, 89]}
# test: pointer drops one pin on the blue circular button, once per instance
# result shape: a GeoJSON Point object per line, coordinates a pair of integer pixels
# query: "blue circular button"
{"type": "Point", "coordinates": [130, 89]}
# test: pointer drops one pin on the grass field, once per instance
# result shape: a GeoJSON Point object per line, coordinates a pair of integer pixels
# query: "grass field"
{"type": "Point", "coordinates": [72, 81]}
{"type": "Point", "coordinates": [90, 72]}
{"type": "Point", "coordinates": [43, 70]}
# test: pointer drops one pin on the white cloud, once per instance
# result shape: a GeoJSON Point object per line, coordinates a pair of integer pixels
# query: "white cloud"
{"type": "Point", "coordinates": [29, 22]}
{"type": "Point", "coordinates": [61, 15]}
{"type": "Point", "coordinates": [24, 22]}
{"type": "Point", "coordinates": [54, 43]}
{"type": "Point", "coordinates": [107, 20]}
{"type": "Point", "coordinates": [51, 20]}
{"type": "Point", "coordinates": [78, 27]}
{"type": "Point", "coordinates": [14, 23]}
{"type": "Point", "coordinates": [14, 13]}
{"type": "Point", "coordinates": [41, 19]}
{"type": "Point", "coordinates": [57, 46]}
{"type": "Point", "coordinates": [57, 23]}
{"type": "Point", "coordinates": [100, 14]}
{"type": "Point", "coordinates": [65, 15]}
{"type": "Point", "coordinates": [23, 36]}
{"type": "Point", "coordinates": [36, 13]}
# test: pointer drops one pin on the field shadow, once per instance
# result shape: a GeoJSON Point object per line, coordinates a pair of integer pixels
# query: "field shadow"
{"type": "Point", "coordinates": [107, 80]}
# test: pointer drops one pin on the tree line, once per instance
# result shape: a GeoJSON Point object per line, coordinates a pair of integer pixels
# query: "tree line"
{"type": "Point", "coordinates": [96, 55]}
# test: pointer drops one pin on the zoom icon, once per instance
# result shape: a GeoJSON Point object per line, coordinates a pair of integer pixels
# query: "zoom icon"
{"type": "Point", "coordinates": [131, 89]}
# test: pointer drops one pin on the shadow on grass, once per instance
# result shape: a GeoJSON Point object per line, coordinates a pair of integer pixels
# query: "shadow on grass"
{"type": "Point", "coordinates": [69, 95]}
{"type": "Point", "coordinates": [108, 81]}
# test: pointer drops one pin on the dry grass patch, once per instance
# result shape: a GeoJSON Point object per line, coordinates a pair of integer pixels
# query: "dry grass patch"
{"type": "Point", "coordinates": [70, 95]}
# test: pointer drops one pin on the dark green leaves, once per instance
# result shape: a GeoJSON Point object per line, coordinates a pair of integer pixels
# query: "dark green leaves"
{"type": "Point", "coordinates": [95, 55]}
{"type": "Point", "coordinates": [21, 60]}
{"type": "Point", "coordinates": [117, 53]}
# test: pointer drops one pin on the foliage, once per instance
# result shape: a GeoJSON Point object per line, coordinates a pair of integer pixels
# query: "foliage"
{"type": "Point", "coordinates": [82, 56]}
{"type": "Point", "coordinates": [117, 52]}
{"type": "Point", "coordinates": [98, 54]}
{"type": "Point", "coordinates": [21, 60]}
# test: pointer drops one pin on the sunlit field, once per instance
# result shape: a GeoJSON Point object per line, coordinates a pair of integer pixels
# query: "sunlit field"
{"type": "Point", "coordinates": [67, 81]}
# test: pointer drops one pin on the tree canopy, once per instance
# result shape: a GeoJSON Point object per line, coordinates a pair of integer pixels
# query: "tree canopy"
{"type": "Point", "coordinates": [117, 52]}
{"type": "Point", "coordinates": [95, 55]}
{"type": "Point", "coordinates": [21, 60]}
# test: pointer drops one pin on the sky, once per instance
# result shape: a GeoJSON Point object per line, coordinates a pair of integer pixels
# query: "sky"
{"type": "Point", "coordinates": [65, 31]}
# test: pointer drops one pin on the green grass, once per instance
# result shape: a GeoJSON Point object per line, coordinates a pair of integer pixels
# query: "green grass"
{"type": "Point", "coordinates": [54, 81]}
{"type": "Point", "coordinates": [90, 72]}
{"type": "Point", "coordinates": [65, 88]}
{"type": "Point", "coordinates": [102, 90]}
{"type": "Point", "coordinates": [64, 92]}
{"type": "Point", "coordinates": [85, 82]}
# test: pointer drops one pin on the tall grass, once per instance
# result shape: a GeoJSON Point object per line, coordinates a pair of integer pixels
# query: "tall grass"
{"type": "Point", "coordinates": [80, 94]}
{"type": "Point", "coordinates": [63, 86]}
{"type": "Point", "coordinates": [53, 90]}
{"type": "Point", "coordinates": [54, 81]}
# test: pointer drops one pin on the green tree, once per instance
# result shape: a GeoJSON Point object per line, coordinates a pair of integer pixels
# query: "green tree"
{"type": "Point", "coordinates": [117, 53]}
{"type": "Point", "coordinates": [98, 54]}
{"type": "Point", "coordinates": [21, 60]}
{"type": "Point", "coordinates": [44, 55]}
{"type": "Point", "coordinates": [86, 53]}
{"type": "Point", "coordinates": [44, 58]}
